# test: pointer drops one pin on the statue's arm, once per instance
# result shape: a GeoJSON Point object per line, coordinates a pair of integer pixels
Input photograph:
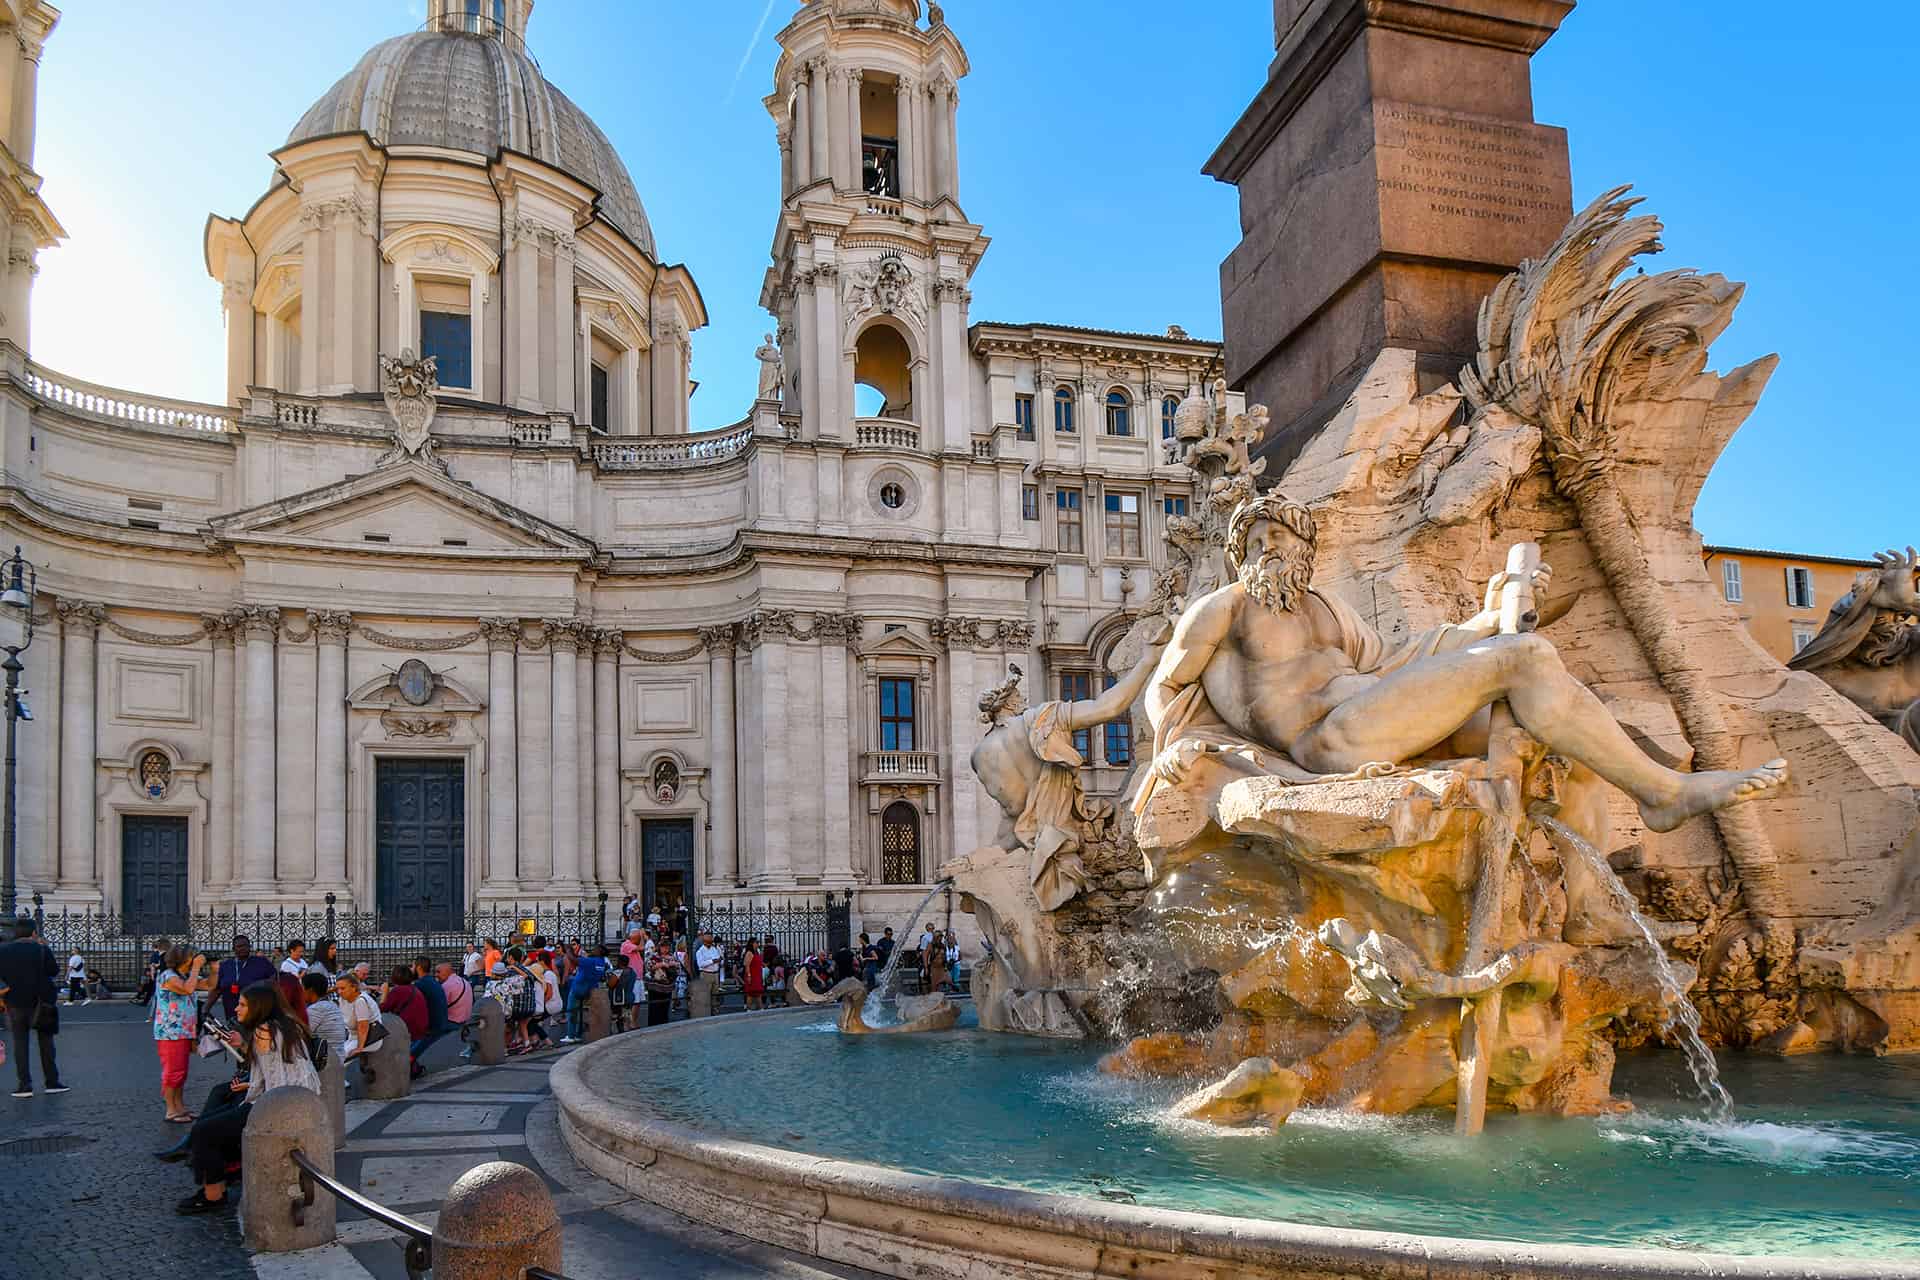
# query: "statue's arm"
{"type": "Point", "coordinates": [1196, 637]}
{"type": "Point", "coordinates": [1113, 703]}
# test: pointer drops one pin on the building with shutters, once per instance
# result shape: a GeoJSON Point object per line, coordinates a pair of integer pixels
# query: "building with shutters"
{"type": "Point", "coordinates": [533, 638]}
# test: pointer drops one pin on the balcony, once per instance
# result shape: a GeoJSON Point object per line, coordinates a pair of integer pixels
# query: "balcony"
{"type": "Point", "coordinates": [110, 404]}
{"type": "Point", "coordinates": [673, 453]}
{"type": "Point", "coordinates": [890, 433]}
{"type": "Point", "coordinates": [900, 766]}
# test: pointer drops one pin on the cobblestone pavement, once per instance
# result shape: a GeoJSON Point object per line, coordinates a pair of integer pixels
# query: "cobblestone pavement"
{"type": "Point", "coordinates": [104, 1210]}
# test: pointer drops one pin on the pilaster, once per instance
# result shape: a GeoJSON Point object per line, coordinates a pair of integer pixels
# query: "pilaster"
{"type": "Point", "coordinates": [563, 643]}
{"type": "Point", "coordinates": [79, 629]}
{"type": "Point", "coordinates": [502, 782]}
{"type": "Point", "coordinates": [723, 850]}
{"type": "Point", "coordinates": [330, 629]}
{"type": "Point", "coordinates": [606, 758]}
{"type": "Point", "coordinates": [257, 627]}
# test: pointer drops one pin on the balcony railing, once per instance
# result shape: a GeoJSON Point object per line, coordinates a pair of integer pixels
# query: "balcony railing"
{"type": "Point", "coordinates": [894, 433]}
{"type": "Point", "coordinates": [95, 401]}
{"type": "Point", "coordinates": [900, 766]}
{"type": "Point", "coordinates": [669, 453]}
{"type": "Point", "coordinates": [530, 431]}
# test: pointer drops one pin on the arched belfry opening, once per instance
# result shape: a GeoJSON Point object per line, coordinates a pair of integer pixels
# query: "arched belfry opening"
{"type": "Point", "coordinates": [883, 373]}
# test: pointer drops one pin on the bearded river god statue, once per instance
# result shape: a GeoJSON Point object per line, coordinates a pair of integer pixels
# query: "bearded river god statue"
{"type": "Point", "coordinates": [1870, 648]}
{"type": "Point", "coordinates": [1340, 828]}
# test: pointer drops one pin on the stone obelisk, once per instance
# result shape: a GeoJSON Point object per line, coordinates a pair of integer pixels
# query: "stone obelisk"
{"type": "Point", "coordinates": [1390, 173]}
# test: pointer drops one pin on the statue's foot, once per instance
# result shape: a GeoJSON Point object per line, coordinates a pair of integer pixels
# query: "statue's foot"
{"type": "Point", "coordinates": [1705, 792]}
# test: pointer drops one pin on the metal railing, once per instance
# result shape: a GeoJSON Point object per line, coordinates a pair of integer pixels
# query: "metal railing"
{"type": "Point", "coordinates": [419, 1245]}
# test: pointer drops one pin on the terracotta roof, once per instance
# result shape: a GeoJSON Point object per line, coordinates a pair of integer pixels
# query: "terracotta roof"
{"type": "Point", "coordinates": [1802, 556]}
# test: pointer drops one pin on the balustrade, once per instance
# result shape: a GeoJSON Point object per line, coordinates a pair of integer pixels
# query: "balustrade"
{"type": "Point", "coordinates": [894, 433]}
{"type": "Point", "coordinates": [888, 766]}
{"type": "Point", "coordinates": [97, 401]}
{"type": "Point", "coordinates": [667, 453]}
{"type": "Point", "coordinates": [530, 432]}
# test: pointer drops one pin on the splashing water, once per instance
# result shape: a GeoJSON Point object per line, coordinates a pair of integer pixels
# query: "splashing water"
{"type": "Point", "coordinates": [1681, 1017]}
{"type": "Point", "coordinates": [882, 1007]}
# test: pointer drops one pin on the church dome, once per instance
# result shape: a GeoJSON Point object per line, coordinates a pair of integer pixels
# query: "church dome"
{"type": "Point", "coordinates": [473, 93]}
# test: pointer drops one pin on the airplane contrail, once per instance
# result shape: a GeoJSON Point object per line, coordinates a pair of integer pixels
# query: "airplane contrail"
{"type": "Point", "coordinates": [752, 44]}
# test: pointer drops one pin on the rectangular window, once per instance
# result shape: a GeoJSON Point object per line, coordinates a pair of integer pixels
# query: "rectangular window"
{"type": "Point", "coordinates": [1066, 505]}
{"type": "Point", "coordinates": [1730, 576]}
{"type": "Point", "coordinates": [1174, 505]}
{"type": "Point", "coordinates": [1803, 634]}
{"type": "Point", "coordinates": [1119, 415]}
{"type": "Point", "coordinates": [1799, 587]}
{"type": "Point", "coordinates": [446, 331]}
{"type": "Point", "coordinates": [1023, 416]}
{"type": "Point", "coordinates": [896, 714]}
{"type": "Point", "coordinates": [1063, 411]}
{"type": "Point", "coordinates": [1119, 733]}
{"type": "Point", "coordinates": [1029, 502]}
{"type": "Point", "coordinates": [602, 406]}
{"type": "Point", "coordinates": [1077, 686]}
{"type": "Point", "coordinates": [1123, 525]}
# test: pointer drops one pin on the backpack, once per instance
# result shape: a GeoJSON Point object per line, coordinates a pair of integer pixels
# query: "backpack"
{"type": "Point", "coordinates": [524, 1005]}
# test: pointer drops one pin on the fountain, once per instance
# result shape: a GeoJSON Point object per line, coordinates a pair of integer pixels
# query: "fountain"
{"type": "Point", "coordinates": [883, 1011]}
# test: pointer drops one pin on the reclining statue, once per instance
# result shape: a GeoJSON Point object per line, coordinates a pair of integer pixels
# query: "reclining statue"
{"type": "Point", "coordinates": [1869, 650]}
{"type": "Point", "coordinates": [1275, 678]}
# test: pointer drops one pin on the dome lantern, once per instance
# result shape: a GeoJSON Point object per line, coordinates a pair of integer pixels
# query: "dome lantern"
{"type": "Point", "coordinates": [504, 20]}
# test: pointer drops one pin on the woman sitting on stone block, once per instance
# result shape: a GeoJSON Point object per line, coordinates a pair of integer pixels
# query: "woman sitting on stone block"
{"type": "Point", "coordinates": [274, 1046]}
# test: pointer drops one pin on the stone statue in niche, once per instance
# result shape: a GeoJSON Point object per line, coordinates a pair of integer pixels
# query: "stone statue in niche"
{"type": "Point", "coordinates": [408, 383]}
{"type": "Point", "coordinates": [1870, 648]}
{"type": "Point", "coordinates": [773, 375]}
{"type": "Point", "coordinates": [1028, 763]}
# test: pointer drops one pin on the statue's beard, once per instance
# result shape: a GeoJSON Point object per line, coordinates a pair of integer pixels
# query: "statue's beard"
{"type": "Point", "coordinates": [1277, 580]}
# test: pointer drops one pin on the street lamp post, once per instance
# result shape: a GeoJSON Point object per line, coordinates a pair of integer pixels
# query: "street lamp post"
{"type": "Point", "coordinates": [17, 582]}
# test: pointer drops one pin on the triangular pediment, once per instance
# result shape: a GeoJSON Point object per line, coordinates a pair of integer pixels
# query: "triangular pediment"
{"type": "Point", "coordinates": [408, 507]}
{"type": "Point", "coordinates": [899, 644]}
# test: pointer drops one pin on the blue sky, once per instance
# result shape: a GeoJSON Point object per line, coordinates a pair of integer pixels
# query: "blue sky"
{"type": "Point", "coordinates": [1776, 146]}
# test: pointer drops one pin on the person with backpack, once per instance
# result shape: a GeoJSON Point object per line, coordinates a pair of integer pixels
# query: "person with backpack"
{"type": "Point", "coordinates": [29, 974]}
{"type": "Point", "coordinates": [622, 989]}
{"type": "Point", "coordinates": [509, 990]}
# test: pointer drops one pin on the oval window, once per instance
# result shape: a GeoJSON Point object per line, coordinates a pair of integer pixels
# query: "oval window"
{"type": "Point", "coordinates": [892, 496]}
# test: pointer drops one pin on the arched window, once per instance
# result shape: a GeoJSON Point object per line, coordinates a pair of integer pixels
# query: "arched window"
{"type": "Point", "coordinates": [1169, 407]}
{"type": "Point", "coordinates": [1063, 410]}
{"type": "Point", "coordinates": [1119, 413]}
{"type": "Point", "coordinates": [900, 844]}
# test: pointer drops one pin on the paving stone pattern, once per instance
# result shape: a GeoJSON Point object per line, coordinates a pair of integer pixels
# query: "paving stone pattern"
{"type": "Point", "coordinates": [104, 1209]}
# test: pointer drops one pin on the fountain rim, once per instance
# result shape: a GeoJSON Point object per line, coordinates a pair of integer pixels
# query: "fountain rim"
{"type": "Point", "coordinates": [839, 1210]}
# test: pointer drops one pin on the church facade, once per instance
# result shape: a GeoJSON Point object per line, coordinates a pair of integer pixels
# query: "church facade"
{"type": "Point", "coordinates": [501, 627]}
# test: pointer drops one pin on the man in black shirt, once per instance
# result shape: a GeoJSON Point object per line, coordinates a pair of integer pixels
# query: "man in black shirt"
{"type": "Point", "coordinates": [28, 971]}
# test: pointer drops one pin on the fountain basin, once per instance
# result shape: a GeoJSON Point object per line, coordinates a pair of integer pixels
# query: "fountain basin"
{"type": "Point", "coordinates": [671, 1118]}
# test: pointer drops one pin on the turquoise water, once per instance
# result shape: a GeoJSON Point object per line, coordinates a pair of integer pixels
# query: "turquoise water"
{"type": "Point", "coordinates": [1822, 1156]}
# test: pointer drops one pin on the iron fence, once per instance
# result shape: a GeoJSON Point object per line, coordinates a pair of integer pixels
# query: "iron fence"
{"type": "Point", "coordinates": [116, 945]}
{"type": "Point", "coordinates": [798, 928]}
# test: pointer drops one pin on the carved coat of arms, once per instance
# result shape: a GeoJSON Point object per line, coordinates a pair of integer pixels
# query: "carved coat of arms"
{"type": "Point", "coordinates": [408, 383]}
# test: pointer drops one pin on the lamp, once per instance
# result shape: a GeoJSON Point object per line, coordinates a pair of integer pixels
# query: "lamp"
{"type": "Point", "coordinates": [17, 583]}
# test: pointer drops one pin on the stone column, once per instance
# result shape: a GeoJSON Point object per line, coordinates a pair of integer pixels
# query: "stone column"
{"type": "Point", "coordinates": [606, 757]}
{"type": "Point", "coordinates": [585, 719]}
{"type": "Point", "coordinates": [295, 765]}
{"type": "Point", "coordinates": [854, 132]}
{"type": "Point", "coordinates": [352, 281]}
{"type": "Point", "coordinates": [503, 809]}
{"type": "Point", "coordinates": [535, 683]}
{"type": "Point", "coordinates": [819, 123]}
{"type": "Point", "coordinates": [220, 815]}
{"type": "Point", "coordinates": [38, 799]}
{"type": "Point", "coordinates": [21, 268]}
{"type": "Point", "coordinates": [909, 141]}
{"type": "Point", "coordinates": [806, 318]}
{"type": "Point", "coordinates": [949, 126]}
{"type": "Point", "coordinates": [784, 137]}
{"type": "Point", "coordinates": [766, 635]}
{"type": "Point", "coordinates": [563, 639]}
{"type": "Point", "coordinates": [837, 632]}
{"type": "Point", "coordinates": [802, 133]}
{"type": "Point", "coordinates": [311, 277]}
{"type": "Point", "coordinates": [962, 699]}
{"type": "Point", "coordinates": [666, 375]}
{"type": "Point", "coordinates": [560, 322]}
{"type": "Point", "coordinates": [923, 142]}
{"type": "Point", "coordinates": [950, 301]}
{"type": "Point", "coordinates": [723, 852]}
{"type": "Point", "coordinates": [258, 625]}
{"type": "Point", "coordinates": [837, 127]}
{"type": "Point", "coordinates": [26, 94]}
{"type": "Point", "coordinates": [942, 141]}
{"type": "Point", "coordinates": [826, 306]}
{"type": "Point", "coordinates": [79, 624]}
{"type": "Point", "coordinates": [330, 628]}
{"type": "Point", "coordinates": [236, 299]}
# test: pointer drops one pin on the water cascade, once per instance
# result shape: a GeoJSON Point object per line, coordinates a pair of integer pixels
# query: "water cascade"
{"type": "Point", "coordinates": [1682, 1017]}
{"type": "Point", "coordinates": [882, 1007]}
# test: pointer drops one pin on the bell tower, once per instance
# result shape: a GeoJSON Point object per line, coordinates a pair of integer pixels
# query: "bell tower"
{"type": "Point", "coordinates": [872, 254]}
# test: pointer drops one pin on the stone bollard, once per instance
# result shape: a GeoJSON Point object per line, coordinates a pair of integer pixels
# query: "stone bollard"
{"type": "Point", "coordinates": [333, 1091]}
{"type": "Point", "coordinates": [497, 1221]}
{"type": "Point", "coordinates": [283, 1121]}
{"type": "Point", "coordinates": [487, 1029]}
{"type": "Point", "coordinates": [386, 1066]}
{"type": "Point", "coordinates": [599, 1016]}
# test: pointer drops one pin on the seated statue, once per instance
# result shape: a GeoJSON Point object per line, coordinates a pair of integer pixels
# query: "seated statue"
{"type": "Point", "coordinates": [1869, 651]}
{"type": "Point", "coordinates": [1276, 678]}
